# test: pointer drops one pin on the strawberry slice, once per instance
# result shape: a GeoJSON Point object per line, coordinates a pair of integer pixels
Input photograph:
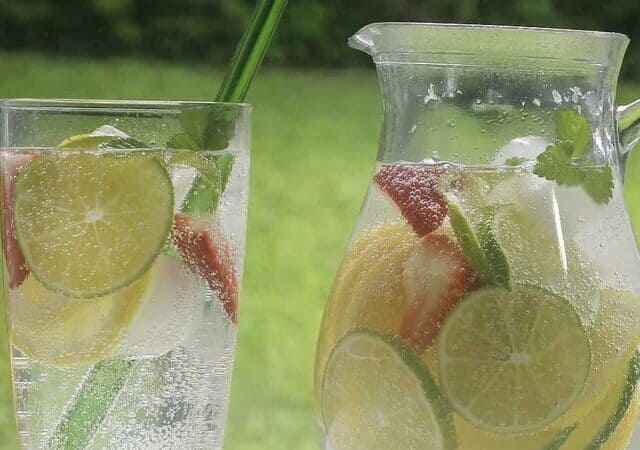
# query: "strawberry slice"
{"type": "Point", "coordinates": [413, 188]}
{"type": "Point", "coordinates": [210, 257]}
{"type": "Point", "coordinates": [16, 266]}
{"type": "Point", "coordinates": [436, 276]}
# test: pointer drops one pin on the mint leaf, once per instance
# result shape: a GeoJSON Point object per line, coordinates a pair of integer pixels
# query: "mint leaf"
{"type": "Point", "coordinates": [480, 245]}
{"type": "Point", "coordinates": [182, 141]}
{"type": "Point", "coordinates": [514, 161]}
{"type": "Point", "coordinates": [500, 270]}
{"type": "Point", "coordinates": [555, 164]}
{"type": "Point", "coordinates": [214, 171]}
{"type": "Point", "coordinates": [209, 129]}
{"type": "Point", "coordinates": [87, 410]}
{"type": "Point", "coordinates": [467, 238]}
{"type": "Point", "coordinates": [204, 163]}
{"type": "Point", "coordinates": [598, 182]}
{"type": "Point", "coordinates": [558, 161]}
{"type": "Point", "coordinates": [205, 130]}
{"type": "Point", "coordinates": [573, 127]}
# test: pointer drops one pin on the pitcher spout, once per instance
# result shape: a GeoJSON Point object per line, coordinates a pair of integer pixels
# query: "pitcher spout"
{"type": "Point", "coordinates": [364, 39]}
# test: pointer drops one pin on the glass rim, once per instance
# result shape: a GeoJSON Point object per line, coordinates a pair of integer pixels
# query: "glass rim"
{"type": "Point", "coordinates": [407, 41]}
{"type": "Point", "coordinates": [55, 104]}
{"type": "Point", "coordinates": [480, 27]}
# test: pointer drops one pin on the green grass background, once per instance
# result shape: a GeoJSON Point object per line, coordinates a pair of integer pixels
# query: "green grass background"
{"type": "Point", "coordinates": [314, 144]}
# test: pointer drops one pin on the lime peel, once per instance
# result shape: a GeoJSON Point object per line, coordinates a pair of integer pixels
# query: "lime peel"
{"type": "Point", "coordinates": [513, 362]}
{"type": "Point", "coordinates": [91, 224]}
{"type": "Point", "coordinates": [354, 394]}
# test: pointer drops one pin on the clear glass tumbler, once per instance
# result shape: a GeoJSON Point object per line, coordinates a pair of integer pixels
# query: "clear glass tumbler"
{"type": "Point", "coordinates": [123, 241]}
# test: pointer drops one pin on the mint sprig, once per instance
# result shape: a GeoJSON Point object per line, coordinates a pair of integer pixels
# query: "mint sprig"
{"type": "Point", "coordinates": [480, 245]}
{"type": "Point", "coordinates": [560, 161]}
{"type": "Point", "coordinates": [514, 161]}
{"type": "Point", "coordinates": [201, 129]}
{"type": "Point", "coordinates": [205, 130]}
{"type": "Point", "coordinates": [573, 127]}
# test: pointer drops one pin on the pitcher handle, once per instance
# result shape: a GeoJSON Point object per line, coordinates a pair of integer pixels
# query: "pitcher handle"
{"type": "Point", "coordinates": [629, 125]}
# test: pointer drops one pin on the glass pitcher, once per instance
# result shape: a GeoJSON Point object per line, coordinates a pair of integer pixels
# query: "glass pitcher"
{"type": "Point", "coordinates": [489, 297]}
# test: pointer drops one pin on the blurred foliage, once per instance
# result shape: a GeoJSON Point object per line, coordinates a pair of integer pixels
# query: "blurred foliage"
{"type": "Point", "coordinates": [313, 32]}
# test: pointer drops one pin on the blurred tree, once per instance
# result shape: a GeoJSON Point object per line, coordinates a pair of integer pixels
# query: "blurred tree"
{"type": "Point", "coordinates": [313, 32]}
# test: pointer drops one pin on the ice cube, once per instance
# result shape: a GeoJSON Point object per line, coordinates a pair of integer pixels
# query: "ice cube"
{"type": "Point", "coordinates": [108, 130]}
{"type": "Point", "coordinates": [213, 336]}
{"type": "Point", "coordinates": [603, 234]}
{"type": "Point", "coordinates": [527, 147]}
{"type": "Point", "coordinates": [171, 306]}
{"type": "Point", "coordinates": [524, 188]}
{"type": "Point", "coordinates": [182, 179]}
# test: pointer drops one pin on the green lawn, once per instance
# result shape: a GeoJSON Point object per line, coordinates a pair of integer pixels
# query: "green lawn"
{"type": "Point", "coordinates": [314, 144]}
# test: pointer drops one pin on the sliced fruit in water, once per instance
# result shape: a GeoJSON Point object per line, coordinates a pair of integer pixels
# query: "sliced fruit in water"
{"type": "Point", "coordinates": [210, 256]}
{"type": "Point", "coordinates": [17, 269]}
{"type": "Point", "coordinates": [621, 436]}
{"type": "Point", "coordinates": [85, 141]}
{"type": "Point", "coordinates": [90, 224]}
{"type": "Point", "coordinates": [414, 190]}
{"type": "Point", "coordinates": [53, 328]}
{"type": "Point", "coordinates": [615, 336]}
{"type": "Point", "coordinates": [106, 136]}
{"type": "Point", "coordinates": [377, 395]}
{"type": "Point", "coordinates": [513, 361]}
{"type": "Point", "coordinates": [466, 236]}
{"type": "Point", "coordinates": [609, 422]}
{"type": "Point", "coordinates": [368, 291]}
{"type": "Point", "coordinates": [435, 278]}
{"type": "Point", "coordinates": [479, 242]}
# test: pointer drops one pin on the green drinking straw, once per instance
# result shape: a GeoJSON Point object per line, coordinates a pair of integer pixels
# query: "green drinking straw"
{"type": "Point", "coordinates": [106, 379]}
{"type": "Point", "coordinates": [251, 50]}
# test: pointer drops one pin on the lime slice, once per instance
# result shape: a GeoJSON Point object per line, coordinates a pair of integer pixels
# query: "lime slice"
{"type": "Point", "coordinates": [368, 291]}
{"type": "Point", "coordinates": [85, 141]}
{"type": "Point", "coordinates": [622, 433]}
{"type": "Point", "coordinates": [609, 423]}
{"type": "Point", "coordinates": [513, 361]}
{"type": "Point", "coordinates": [623, 406]}
{"type": "Point", "coordinates": [52, 328]}
{"type": "Point", "coordinates": [90, 224]}
{"type": "Point", "coordinates": [104, 136]}
{"type": "Point", "coordinates": [542, 256]}
{"type": "Point", "coordinates": [376, 395]}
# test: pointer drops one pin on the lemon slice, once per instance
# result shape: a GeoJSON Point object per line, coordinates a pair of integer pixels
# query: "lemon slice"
{"type": "Point", "coordinates": [55, 329]}
{"type": "Point", "coordinates": [90, 224]}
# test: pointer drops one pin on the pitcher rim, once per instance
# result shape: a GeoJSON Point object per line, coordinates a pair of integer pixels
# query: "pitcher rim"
{"type": "Point", "coordinates": [501, 27]}
{"type": "Point", "coordinates": [382, 40]}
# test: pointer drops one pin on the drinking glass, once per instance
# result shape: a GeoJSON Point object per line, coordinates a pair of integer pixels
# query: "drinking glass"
{"type": "Point", "coordinates": [123, 242]}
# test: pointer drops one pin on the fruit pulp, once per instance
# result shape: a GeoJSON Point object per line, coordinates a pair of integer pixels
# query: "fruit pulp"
{"type": "Point", "coordinates": [161, 326]}
{"type": "Point", "coordinates": [522, 358]}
